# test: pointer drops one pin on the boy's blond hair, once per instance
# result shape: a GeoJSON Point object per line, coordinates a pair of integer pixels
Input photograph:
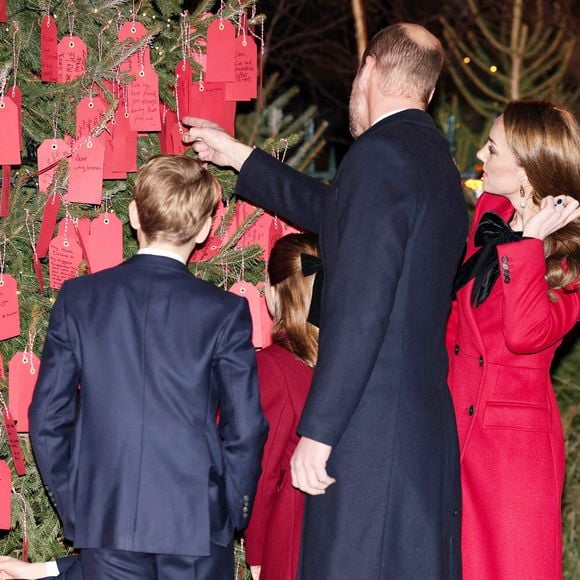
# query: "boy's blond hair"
{"type": "Point", "coordinates": [174, 195]}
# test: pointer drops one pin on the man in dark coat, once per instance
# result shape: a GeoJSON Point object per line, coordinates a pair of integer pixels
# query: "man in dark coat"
{"type": "Point", "coordinates": [136, 363]}
{"type": "Point", "coordinates": [379, 417]}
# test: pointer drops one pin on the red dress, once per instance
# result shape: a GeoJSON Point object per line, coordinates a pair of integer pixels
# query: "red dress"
{"type": "Point", "coordinates": [273, 536]}
{"type": "Point", "coordinates": [510, 432]}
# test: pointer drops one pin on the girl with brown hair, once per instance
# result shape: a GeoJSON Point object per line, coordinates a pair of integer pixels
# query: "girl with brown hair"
{"type": "Point", "coordinates": [516, 298]}
{"type": "Point", "coordinates": [285, 372]}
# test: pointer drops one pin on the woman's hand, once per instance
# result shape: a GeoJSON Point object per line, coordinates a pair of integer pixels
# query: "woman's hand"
{"type": "Point", "coordinates": [554, 214]}
{"type": "Point", "coordinates": [255, 572]}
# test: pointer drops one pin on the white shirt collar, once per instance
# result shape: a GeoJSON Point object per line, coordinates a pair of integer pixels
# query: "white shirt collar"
{"type": "Point", "coordinates": [388, 115]}
{"type": "Point", "coordinates": [163, 253]}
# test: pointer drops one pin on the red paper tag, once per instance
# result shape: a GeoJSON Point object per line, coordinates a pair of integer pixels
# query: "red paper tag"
{"type": "Point", "coordinates": [49, 50]}
{"type": "Point", "coordinates": [14, 442]}
{"type": "Point", "coordinates": [49, 152]}
{"type": "Point", "coordinates": [38, 272]}
{"type": "Point", "coordinates": [168, 119]}
{"type": "Point", "coordinates": [10, 133]}
{"type": "Point", "coordinates": [83, 232]}
{"type": "Point", "coordinates": [182, 87]}
{"type": "Point", "coordinates": [89, 114]}
{"type": "Point", "coordinates": [134, 31]}
{"type": "Point", "coordinates": [230, 117]}
{"type": "Point", "coordinates": [64, 256]}
{"type": "Point", "coordinates": [252, 295]}
{"type": "Point", "coordinates": [124, 144]}
{"type": "Point", "coordinates": [22, 374]}
{"type": "Point", "coordinates": [3, 11]}
{"type": "Point", "coordinates": [72, 56]}
{"type": "Point", "coordinates": [105, 245]}
{"type": "Point", "coordinates": [267, 322]}
{"type": "Point", "coordinates": [24, 556]}
{"type": "Point", "coordinates": [211, 101]}
{"type": "Point", "coordinates": [221, 50]}
{"type": "Point", "coordinates": [85, 183]}
{"type": "Point", "coordinates": [15, 94]}
{"type": "Point", "coordinates": [5, 496]}
{"type": "Point", "coordinates": [9, 311]}
{"type": "Point", "coordinates": [49, 217]}
{"type": "Point", "coordinates": [177, 144]}
{"type": "Point", "coordinates": [144, 101]}
{"type": "Point", "coordinates": [245, 85]}
{"type": "Point", "coordinates": [1, 367]}
{"type": "Point", "coordinates": [5, 193]}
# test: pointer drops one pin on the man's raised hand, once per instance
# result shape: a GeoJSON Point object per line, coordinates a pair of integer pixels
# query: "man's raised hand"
{"type": "Point", "coordinates": [213, 144]}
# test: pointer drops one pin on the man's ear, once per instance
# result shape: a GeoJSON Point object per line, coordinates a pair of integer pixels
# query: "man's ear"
{"type": "Point", "coordinates": [134, 216]}
{"type": "Point", "coordinates": [204, 232]}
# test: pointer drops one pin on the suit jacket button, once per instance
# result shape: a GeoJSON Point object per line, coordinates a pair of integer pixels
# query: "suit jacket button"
{"type": "Point", "coordinates": [455, 512]}
{"type": "Point", "coordinates": [505, 259]}
{"type": "Point", "coordinates": [506, 278]}
{"type": "Point", "coordinates": [456, 349]}
{"type": "Point", "coordinates": [481, 361]}
{"type": "Point", "coordinates": [471, 409]}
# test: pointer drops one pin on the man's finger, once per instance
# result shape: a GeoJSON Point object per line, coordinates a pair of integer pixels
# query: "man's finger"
{"type": "Point", "coordinates": [199, 123]}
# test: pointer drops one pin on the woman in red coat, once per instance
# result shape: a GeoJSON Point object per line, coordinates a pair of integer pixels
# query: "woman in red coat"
{"type": "Point", "coordinates": [285, 372]}
{"type": "Point", "coordinates": [516, 299]}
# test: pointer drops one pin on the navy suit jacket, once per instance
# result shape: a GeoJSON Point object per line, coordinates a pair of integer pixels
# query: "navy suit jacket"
{"type": "Point", "coordinates": [136, 363]}
{"type": "Point", "coordinates": [392, 228]}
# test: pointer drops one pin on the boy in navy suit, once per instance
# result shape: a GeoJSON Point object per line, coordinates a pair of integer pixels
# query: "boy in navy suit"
{"type": "Point", "coordinates": [136, 363]}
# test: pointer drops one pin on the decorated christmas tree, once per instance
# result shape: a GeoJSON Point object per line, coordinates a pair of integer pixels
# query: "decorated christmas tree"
{"type": "Point", "coordinates": [88, 91]}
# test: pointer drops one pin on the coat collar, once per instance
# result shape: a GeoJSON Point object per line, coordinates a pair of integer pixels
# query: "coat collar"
{"type": "Point", "coordinates": [149, 260]}
{"type": "Point", "coordinates": [416, 116]}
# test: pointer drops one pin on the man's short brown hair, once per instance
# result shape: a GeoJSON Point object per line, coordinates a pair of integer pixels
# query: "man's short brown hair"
{"type": "Point", "coordinates": [409, 60]}
{"type": "Point", "coordinates": [174, 195]}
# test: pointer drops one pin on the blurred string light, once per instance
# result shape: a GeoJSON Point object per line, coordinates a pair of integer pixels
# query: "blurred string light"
{"type": "Point", "coordinates": [466, 60]}
{"type": "Point", "coordinates": [493, 68]}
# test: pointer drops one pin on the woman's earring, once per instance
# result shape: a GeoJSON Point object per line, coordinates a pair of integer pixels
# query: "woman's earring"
{"type": "Point", "coordinates": [523, 201]}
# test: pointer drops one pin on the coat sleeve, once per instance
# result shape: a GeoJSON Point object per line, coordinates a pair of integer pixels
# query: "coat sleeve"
{"type": "Point", "coordinates": [70, 568]}
{"type": "Point", "coordinates": [53, 409]}
{"type": "Point", "coordinates": [377, 204]}
{"type": "Point", "coordinates": [281, 418]}
{"type": "Point", "coordinates": [242, 425]}
{"type": "Point", "coordinates": [531, 321]}
{"type": "Point", "coordinates": [281, 189]}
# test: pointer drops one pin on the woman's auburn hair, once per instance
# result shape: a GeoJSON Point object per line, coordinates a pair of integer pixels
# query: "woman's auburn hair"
{"type": "Point", "coordinates": [292, 297]}
{"type": "Point", "coordinates": [545, 140]}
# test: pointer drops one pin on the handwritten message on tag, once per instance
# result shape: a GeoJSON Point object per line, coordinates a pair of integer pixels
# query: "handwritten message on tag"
{"type": "Point", "coordinates": [144, 102]}
{"type": "Point", "coordinates": [72, 56]}
{"type": "Point", "coordinates": [49, 152]}
{"type": "Point", "coordinates": [90, 112]}
{"type": "Point", "coordinates": [86, 174]}
{"type": "Point", "coordinates": [48, 50]}
{"type": "Point", "coordinates": [9, 310]}
{"type": "Point", "coordinates": [64, 257]}
{"type": "Point", "coordinates": [245, 85]}
{"type": "Point", "coordinates": [22, 374]}
{"type": "Point", "coordinates": [14, 442]}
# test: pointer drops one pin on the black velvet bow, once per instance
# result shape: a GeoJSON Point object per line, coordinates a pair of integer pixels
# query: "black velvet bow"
{"type": "Point", "coordinates": [484, 265]}
{"type": "Point", "coordinates": [313, 265]}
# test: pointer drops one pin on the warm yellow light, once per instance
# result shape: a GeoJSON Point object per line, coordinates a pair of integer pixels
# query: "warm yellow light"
{"type": "Point", "coordinates": [466, 60]}
{"type": "Point", "coordinates": [493, 68]}
{"type": "Point", "coordinates": [474, 184]}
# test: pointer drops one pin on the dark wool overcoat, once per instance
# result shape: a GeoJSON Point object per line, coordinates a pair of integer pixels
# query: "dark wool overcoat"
{"type": "Point", "coordinates": [392, 229]}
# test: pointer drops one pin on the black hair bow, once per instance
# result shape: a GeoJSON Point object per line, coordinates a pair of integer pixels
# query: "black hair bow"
{"type": "Point", "coordinates": [484, 265]}
{"type": "Point", "coordinates": [313, 265]}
